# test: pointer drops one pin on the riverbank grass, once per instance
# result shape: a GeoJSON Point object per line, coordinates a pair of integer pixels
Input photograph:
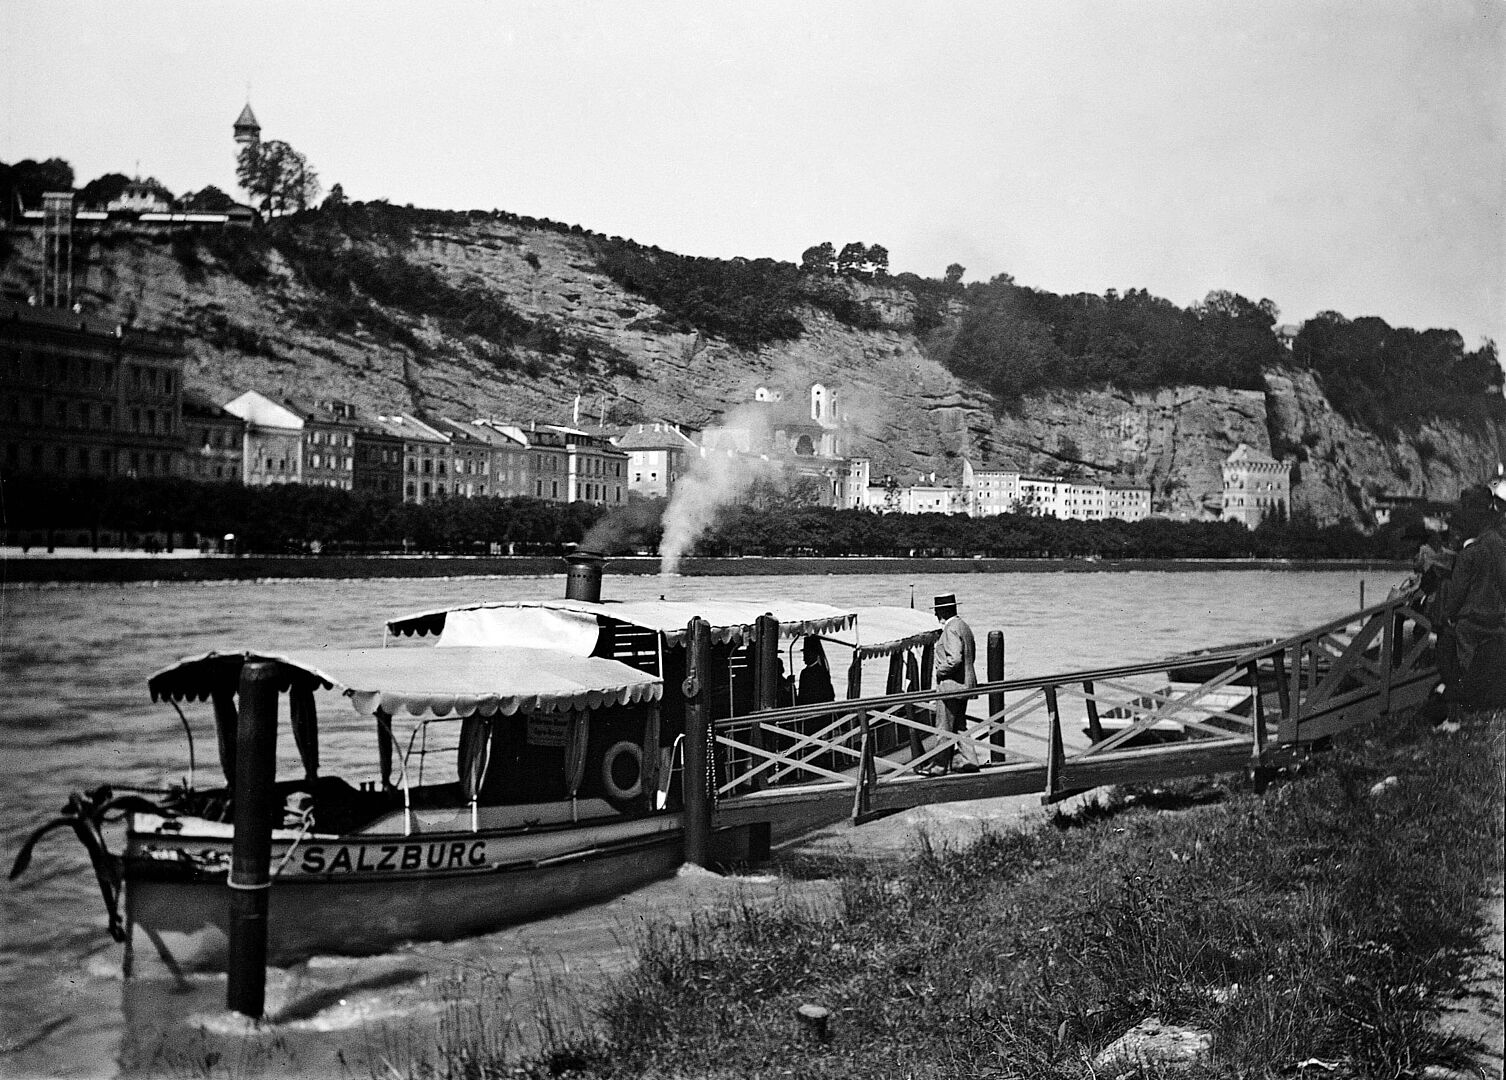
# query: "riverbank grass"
{"type": "Point", "coordinates": [1316, 927]}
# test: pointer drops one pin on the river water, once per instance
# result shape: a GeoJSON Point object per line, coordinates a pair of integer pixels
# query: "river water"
{"type": "Point", "coordinates": [75, 713]}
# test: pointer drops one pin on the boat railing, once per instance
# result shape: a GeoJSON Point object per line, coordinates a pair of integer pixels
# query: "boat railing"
{"type": "Point", "coordinates": [1144, 722]}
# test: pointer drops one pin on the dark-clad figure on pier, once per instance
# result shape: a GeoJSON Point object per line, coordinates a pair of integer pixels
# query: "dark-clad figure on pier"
{"type": "Point", "coordinates": [815, 678]}
{"type": "Point", "coordinates": [1474, 610]}
{"type": "Point", "coordinates": [955, 669]}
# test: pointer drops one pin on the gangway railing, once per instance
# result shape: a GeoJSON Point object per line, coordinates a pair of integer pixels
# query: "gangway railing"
{"type": "Point", "coordinates": [1210, 711]}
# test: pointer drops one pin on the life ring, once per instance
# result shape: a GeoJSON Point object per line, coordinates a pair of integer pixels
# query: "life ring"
{"type": "Point", "coordinates": [615, 792]}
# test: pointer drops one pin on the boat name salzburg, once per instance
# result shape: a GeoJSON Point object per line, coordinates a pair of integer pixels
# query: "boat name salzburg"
{"type": "Point", "coordinates": [375, 858]}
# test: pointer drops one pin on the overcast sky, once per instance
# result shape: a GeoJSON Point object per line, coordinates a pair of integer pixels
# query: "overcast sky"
{"type": "Point", "coordinates": [1327, 154]}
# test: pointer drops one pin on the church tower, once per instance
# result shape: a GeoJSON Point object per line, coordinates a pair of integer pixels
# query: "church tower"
{"type": "Point", "coordinates": [247, 130]}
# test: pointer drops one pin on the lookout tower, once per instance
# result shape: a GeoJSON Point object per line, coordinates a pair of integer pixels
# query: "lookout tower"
{"type": "Point", "coordinates": [247, 130]}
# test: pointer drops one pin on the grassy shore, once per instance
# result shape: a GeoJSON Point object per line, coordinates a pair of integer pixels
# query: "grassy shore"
{"type": "Point", "coordinates": [1326, 919]}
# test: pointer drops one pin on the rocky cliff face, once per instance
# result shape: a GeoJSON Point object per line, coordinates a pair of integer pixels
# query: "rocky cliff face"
{"type": "Point", "coordinates": [905, 411]}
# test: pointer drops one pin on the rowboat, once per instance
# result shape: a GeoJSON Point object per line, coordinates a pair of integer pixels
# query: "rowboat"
{"type": "Point", "coordinates": [529, 763]}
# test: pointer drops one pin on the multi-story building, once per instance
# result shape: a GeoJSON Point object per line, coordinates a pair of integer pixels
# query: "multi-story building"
{"type": "Point", "coordinates": [657, 456]}
{"type": "Point", "coordinates": [329, 442]}
{"type": "Point", "coordinates": [990, 492]}
{"type": "Point", "coordinates": [470, 459]}
{"type": "Point", "coordinates": [378, 465]}
{"type": "Point", "coordinates": [932, 496]}
{"type": "Point", "coordinates": [1126, 502]}
{"type": "Point", "coordinates": [426, 456]}
{"type": "Point", "coordinates": [595, 470]}
{"type": "Point", "coordinates": [1256, 486]}
{"type": "Point", "coordinates": [510, 475]}
{"type": "Point", "coordinates": [84, 399]}
{"type": "Point", "coordinates": [273, 452]}
{"type": "Point", "coordinates": [214, 440]}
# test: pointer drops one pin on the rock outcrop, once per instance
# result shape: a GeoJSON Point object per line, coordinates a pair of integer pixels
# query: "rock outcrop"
{"type": "Point", "coordinates": [905, 411]}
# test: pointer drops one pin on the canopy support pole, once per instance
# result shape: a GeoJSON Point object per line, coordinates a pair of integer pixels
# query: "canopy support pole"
{"type": "Point", "coordinates": [698, 755]}
{"type": "Point", "coordinates": [251, 855]}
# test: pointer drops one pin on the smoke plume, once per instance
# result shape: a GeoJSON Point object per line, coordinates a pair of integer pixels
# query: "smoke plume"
{"type": "Point", "coordinates": [717, 478]}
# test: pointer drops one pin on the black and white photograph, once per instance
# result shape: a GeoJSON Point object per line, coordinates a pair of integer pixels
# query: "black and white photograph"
{"type": "Point", "coordinates": [660, 539]}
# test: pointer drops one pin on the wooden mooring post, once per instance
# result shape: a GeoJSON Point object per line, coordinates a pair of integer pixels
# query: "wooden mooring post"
{"type": "Point", "coordinates": [699, 749]}
{"type": "Point", "coordinates": [251, 855]}
{"type": "Point", "coordinates": [765, 678]}
{"type": "Point", "coordinates": [996, 699]}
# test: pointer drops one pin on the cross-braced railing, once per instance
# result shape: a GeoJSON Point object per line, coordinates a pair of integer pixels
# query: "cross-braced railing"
{"type": "Point", "coordinates": [1204, 712]}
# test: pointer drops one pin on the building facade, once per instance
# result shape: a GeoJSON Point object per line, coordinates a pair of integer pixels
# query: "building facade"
{"type": "Point", "coordinates": [215, 441]}
{"type": "Point", "coordinates": [990, 492]}
{"type": "Point", "coordinates": [84, 399]}
{"type": "Point", "coordinates": [273, 449]}
{"type": "Point", "coordinates": [329, 442]}
{"type": "Point", "coordinates": [1126, 502]}
{"type": "Point", "coordinates": [657, 456]}
{"type": "Point", "coordinates": [378, 465]}
{"type": "Point", "coordinates": [1256, 487]}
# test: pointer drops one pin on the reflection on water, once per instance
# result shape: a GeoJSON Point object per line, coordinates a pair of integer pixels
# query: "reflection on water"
{"type": "Point", "coordinates": [73, 669]}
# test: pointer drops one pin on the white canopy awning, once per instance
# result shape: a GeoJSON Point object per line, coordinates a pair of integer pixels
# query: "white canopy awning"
{"type": "Point", "coordinates": [572, 625]}
{"type": "Point", "coordinates": [882, 631]}
{"type": "Point", "coordinates": [429, 683]}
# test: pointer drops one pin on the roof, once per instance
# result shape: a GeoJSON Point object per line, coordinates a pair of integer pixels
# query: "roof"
{"type": "Point", "coordinates": [199, 404]}
{"type": "Point", "coordinates": [430, 683]}
{"type": "Point", "coordinates": [653, 437]}
{"type": "Point", "coordinates": [574, 625]}
{"type": "Point", "coordinates": [317, 413]}
{"type": "Point", "coordinates": [255, 408]}
{"type": "Point", "coordinates": [247, 119]}
{"type": "Point", "coordinates": [410, 427]}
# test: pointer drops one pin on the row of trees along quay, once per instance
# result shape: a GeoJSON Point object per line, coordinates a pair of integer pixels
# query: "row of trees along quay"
{"type": "Point", "coordinates": [294, 518]}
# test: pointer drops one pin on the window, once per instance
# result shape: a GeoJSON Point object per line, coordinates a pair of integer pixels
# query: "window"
{"type": "Point", "coordinates": [60, 457]}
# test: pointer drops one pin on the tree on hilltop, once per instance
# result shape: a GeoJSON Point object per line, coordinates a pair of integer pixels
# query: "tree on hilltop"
{"type": "Point", "coordinates": [819, 259]}
{"type": "Point", "coordinates": [209, 200]}
{"type": "Point", "coordinates": [277, 177]}
{"type": "Point", "coordinates": [852, 259]}
{"type": "Point", "coordinates": [103, 190]}
{"type": "Point", "coordinates": [23, 184]}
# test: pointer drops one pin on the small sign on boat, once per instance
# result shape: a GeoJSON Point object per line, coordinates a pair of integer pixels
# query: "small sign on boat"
{"type": "Point", "coordinates": [548, 729]}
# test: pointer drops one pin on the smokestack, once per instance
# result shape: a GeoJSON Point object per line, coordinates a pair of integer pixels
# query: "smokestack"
{"type": "Point", "coordinates": [583, 578]}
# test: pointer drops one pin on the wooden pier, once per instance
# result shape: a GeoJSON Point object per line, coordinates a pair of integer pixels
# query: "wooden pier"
{"type": "Point", "coordinates": [1215, 711]}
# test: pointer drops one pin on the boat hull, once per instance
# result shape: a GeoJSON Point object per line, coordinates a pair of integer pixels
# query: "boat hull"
{"type": "Point", "coordinates": [178, 914]}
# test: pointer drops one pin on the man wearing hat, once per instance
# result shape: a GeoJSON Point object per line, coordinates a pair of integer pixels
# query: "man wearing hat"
{"type": "Point", "coordinates": [1474, 609]}
{"type": "Point", "coordinates": [955, 669]}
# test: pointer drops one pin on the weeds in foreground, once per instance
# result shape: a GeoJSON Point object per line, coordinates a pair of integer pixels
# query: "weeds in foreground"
{"type": "Point", "coordinates": [1325, 919]}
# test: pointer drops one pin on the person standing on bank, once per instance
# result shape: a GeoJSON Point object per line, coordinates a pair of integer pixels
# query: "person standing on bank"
{"type": "Point", "coordinates": [956, 655]}
{"type": "Point", "coordinates": [1474, 610]}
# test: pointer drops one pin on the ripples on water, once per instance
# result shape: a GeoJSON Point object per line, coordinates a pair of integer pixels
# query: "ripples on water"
{"type": "Point", "coordinates": [75, 713]}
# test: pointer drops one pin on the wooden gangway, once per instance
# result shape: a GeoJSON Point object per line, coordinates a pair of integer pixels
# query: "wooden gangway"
{"type": "Point", "coordinates": [1213, 711]}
